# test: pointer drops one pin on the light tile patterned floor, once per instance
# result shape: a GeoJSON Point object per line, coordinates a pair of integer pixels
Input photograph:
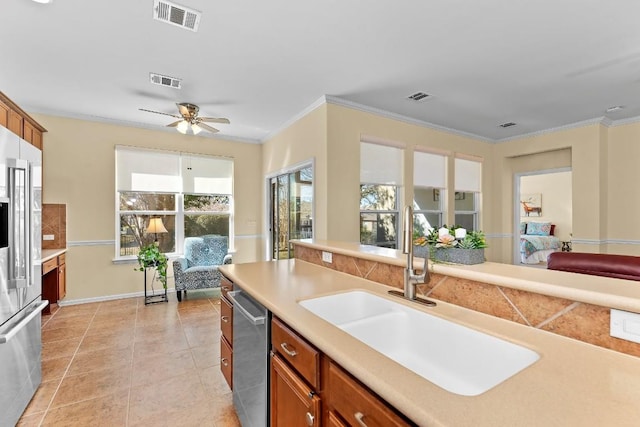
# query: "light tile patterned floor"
{"type": "Point", "coordinates": [121, 363]}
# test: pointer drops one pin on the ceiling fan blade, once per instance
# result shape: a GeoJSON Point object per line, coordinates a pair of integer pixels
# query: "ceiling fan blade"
{"type": "Point", "coordinates": [209, 128]}
{"type": "Point", "coordinates": [174, 124]}
{"type": "Point", "coordinates": [214, 120]}
{"type": "Point", "coordinates": [159, 112]}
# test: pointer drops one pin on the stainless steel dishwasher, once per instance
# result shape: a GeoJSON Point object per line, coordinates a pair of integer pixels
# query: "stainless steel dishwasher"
{"type": "Point", "coordinates": [251, 337]}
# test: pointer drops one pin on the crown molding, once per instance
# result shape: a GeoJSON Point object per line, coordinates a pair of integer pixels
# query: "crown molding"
{"type": "Point", "coordinates": [99, 119]}
{"type": "Point", "coordinates": [613, 123]}
{"type": "Point", "coordinates": [399, 117]}
{"type": "Point", "coordinates": [319, 102]}
{"type": "Point", "coordinates": [596, 120]}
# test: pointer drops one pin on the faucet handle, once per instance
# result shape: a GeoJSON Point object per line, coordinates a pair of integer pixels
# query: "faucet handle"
{"type": "Point", "coordinates": [424, 277]}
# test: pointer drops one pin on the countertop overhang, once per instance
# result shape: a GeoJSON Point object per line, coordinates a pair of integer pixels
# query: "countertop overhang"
{"type": "Point", "coordinates": [573, 383]}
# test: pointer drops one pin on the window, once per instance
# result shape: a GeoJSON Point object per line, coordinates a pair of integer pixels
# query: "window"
{"type": "Point", "coordinates": [429, 182]}
{"type": "Point", "coordinates": [192, 195]}
{"type": "Point", "coordinates": [468, 175]}
{"type": "Point", "coordinates": [380, 178]}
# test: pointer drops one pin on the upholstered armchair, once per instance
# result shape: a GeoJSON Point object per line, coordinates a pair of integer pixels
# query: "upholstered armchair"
{"type": "Point", "coordinates": [198, 267]}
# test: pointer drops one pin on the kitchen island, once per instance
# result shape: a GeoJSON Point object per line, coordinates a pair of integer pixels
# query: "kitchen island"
{"type": "Point", "coordinates": [573, 383]}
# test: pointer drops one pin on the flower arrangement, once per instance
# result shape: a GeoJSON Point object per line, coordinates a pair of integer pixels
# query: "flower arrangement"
{"type": "Point", "coordinates": [441, 240]}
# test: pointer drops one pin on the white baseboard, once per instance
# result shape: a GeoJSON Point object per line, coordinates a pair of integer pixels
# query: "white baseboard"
{"type": "Point", "coordinates": [63, 303]}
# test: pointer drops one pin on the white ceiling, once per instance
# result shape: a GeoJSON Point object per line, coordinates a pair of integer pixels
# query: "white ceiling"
{"type": "Point", "coordinates": [542, 64]}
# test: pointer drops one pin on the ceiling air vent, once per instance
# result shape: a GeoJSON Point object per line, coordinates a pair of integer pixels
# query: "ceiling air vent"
{"type": "Point", "coordinates": [418, 96]}
{"type": "Point", "coordinates": [174, 14]}
{"type": "Point", "coordinates": [507, 125]}
{"type": "Point", "coordinates": [159, 79]}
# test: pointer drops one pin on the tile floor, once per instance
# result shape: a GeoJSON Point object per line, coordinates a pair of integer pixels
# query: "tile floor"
{"type": "Point", "coordinates": [121, 363]}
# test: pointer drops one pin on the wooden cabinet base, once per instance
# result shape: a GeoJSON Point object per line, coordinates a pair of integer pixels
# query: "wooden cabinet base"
{"type": "Point", "coordinates": [293, 403]}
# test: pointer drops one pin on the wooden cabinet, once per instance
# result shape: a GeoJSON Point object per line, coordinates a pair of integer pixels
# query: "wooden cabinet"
{"type": "Point", "coordinates": [4, 114]}
{"type": "Point", "coordinates": [293, 402]}
{"type": "Point", "coordinates": [15, 122]}
{"type": "Point", "coordinates": [19, 122]}
{"type": "Point", "coordinates": [296, 351]}
{"type": "Point", "coordinates": [62, 277]}
{"type": "Point", "coordinates": [32, 135]}
{"type": "Point", "coordinates": [54, 280]}
{"type": "Point", "coordinates": [352, 402]}
{"type": "Point", "coordinates": [226, 325]}
{"type": "Point", "coordinates": [295, 379]}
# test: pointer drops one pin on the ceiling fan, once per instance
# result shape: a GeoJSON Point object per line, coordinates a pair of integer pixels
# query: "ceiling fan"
{"type": "Point", "coordinates": [189, 118]}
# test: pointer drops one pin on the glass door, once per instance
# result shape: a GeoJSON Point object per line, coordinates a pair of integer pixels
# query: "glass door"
{"type": "Point", "coordinates": [291, 210]}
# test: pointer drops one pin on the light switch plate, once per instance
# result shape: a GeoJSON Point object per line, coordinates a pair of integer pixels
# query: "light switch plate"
{"type": "Point", "coordinates": [327, 257]}
{"type": "Point", "coordinates": [48, 237]}
{"type": "Point", "coordinates": [625, 325]}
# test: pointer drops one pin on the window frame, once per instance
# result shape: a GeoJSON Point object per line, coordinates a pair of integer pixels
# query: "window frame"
{"type": "Point", "coordinates": [179, 209]}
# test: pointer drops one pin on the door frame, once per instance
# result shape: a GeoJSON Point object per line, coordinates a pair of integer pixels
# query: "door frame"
{"type": "Point", "coordinates": [268, 205]}
{"type": "Point", "coordinates": [516, 206]}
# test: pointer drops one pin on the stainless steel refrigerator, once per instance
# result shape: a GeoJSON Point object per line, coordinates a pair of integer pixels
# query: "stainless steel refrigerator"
{"type": "Point", "coordinates": [20, 275]}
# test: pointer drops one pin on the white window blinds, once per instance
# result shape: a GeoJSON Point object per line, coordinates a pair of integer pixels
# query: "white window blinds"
{"type": "Point", "coordinates": [429, 170]}
{"type": "Point", "coordinates": [139, 169]}
{"type": "Point", "coordinates": [380, 164]}
{"type": "Point", "coordinates": [468, 175]}
{"type": "Point", "coordinates": [147, 170]}
{"type": "Point", "coordinates": [207, 175]}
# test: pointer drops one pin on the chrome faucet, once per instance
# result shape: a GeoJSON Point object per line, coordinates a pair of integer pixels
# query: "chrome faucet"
{"type": "Point", "coordinates": [411, 279]}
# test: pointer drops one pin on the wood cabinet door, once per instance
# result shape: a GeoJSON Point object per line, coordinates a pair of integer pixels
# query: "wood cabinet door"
{"type": "Point", "coordinates": [293, 403]}
{"type": "Point", "coordinates": [62, 281]}
{"type": "Point", "coordinates": [4, 114]}
{"type": "Point", "coordinates": [15, 123]}
{"type": "Point", "coordinates": [226, 361]}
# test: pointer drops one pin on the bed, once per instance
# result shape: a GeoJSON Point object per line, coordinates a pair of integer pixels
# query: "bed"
{"type": "Point", "coordinates": [537, 241]}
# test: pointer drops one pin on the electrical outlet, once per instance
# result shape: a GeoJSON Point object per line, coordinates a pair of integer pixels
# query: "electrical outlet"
{"type": "Point", "coordinates": [48, 237]}
{"type": "Point", "coordinates": [625, 325]}
{"type": "Point", "coordinates": [327, 257]}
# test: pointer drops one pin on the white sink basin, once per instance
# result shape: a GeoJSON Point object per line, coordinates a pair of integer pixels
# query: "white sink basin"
{"type": "Point", "coordinates": [457, 358]}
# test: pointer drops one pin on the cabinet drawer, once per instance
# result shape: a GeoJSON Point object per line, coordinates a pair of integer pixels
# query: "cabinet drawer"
{"type": "Point", "coordinates": [295, 350]}
{"type": "Point", "coordinates": [225, 287]}
{"type": "Point", "coordinates": [47, 266]}
{"type": "Point", "coordinates": [61, 259]}
{"type": "Point", "coordinates": [226, 361]}
{"type": "Point", "coordinates": [226, 320]}
{"type": "Point", "coordinates": [356, 404]}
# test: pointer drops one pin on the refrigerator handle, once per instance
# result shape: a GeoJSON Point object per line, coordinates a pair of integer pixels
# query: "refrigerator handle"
{"type": "Point", "coordinates": [38, 307]}
{"type": "Point", "coordinates": [19, 224]}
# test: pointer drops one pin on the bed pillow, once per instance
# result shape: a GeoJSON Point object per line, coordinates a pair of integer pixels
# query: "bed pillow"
{"type": "Point", "coordinates": [539, 228]}
{"type": "Point", "coordinates": [523, 228]}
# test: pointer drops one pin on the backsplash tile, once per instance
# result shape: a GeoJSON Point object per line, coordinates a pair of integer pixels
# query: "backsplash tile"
{"type": "Point", "coordinates": [54, 222]}
{"type": "Point", "coordinates": [580, 321]}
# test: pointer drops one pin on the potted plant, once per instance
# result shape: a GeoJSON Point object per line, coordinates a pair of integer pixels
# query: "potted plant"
{"type": "Point", "coordinates": [454, 244]}
{"type": "Point", "coordinates": [150, 256]}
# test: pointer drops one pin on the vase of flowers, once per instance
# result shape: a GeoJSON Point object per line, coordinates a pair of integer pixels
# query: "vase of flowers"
{"type": "Point", "coordinates": [456, 245]}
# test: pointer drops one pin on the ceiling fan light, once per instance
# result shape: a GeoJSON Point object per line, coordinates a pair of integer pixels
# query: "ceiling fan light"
{"type": "Point", "coordinates": [196, 129]}
{"type": "Point", "coordinates": [182, 127]}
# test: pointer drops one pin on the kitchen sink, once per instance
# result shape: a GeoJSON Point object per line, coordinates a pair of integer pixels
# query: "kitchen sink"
{"type": "Point", "coordinates": [456, 358]}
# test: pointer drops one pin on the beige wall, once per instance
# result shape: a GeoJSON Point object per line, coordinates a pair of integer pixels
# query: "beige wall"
{"type": "Point", "coordinates": [303, 141]}
{"type": "Point", "coordinates": [79, 171]}
{"type": "Point", "coordinates": [81, 175]}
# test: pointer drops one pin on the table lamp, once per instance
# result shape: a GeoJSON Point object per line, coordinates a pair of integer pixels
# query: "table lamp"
{"type": "Point", "coordinates": [156, 226]}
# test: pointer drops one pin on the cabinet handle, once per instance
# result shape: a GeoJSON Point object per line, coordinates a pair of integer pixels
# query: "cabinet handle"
{"type": "Point", "coordinates": [310, 419]}
{"type": "Point", "coordinates": [224, 361]}
{"type": "Point", "coordinates": [285, 347]}
{"type": "Point", "coordinates": [226, 288]}
{"type": "Point", "coordinates": [359, 418]}
{"type": "Point", "coordinates": [225, 319]}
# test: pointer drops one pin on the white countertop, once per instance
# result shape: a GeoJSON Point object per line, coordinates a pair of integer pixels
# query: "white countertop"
{"type": "Point", "coordinates": [573, 383]}
{"type": "Point", "coordinates": [47, 254]}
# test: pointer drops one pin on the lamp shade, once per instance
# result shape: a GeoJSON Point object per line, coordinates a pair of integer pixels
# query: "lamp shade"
{"type": "Point", "coordinates": [156, 226]}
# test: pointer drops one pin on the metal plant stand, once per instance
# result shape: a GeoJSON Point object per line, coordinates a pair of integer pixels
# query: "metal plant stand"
{"type": "Point", "coordinates": [152, 296]}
